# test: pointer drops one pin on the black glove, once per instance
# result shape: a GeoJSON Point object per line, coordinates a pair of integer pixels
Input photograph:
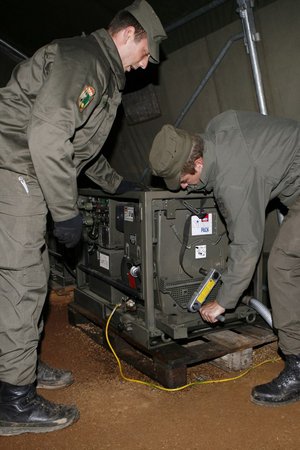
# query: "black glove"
{"type": "Point", "coordinates": [126, 186]}
{"type": "Point", "coordinates": [68, 232]}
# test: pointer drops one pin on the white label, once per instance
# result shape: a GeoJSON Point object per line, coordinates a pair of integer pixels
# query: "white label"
{"type": "Point", "coordinates": [202, 226]}
{"type": "Point", "coordinates": [129, 213]}
{"type": "Point", "coordinates": [104, 261]}
{"type": "Point", "coordinates": [200, 251]}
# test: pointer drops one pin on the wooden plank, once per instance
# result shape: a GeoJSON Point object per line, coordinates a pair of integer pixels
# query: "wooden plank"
{"type": "Point", "coordinates": [231, 339]}
{"type": "Point", "coordinates": [170, 373]}
{"type": "Point", "coordinates": [172, 354]}
{"type": "Point", "coordinates": [257, 332]}
{"type": "Point", "coordinates": [206, 352]}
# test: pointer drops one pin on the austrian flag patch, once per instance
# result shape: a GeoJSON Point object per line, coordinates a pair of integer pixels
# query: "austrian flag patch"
{"type": "Point", "coordinates": [86, 97]}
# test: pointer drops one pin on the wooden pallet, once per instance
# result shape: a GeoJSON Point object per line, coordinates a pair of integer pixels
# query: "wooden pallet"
{"type": "Point", "coordinates": [168, 364]}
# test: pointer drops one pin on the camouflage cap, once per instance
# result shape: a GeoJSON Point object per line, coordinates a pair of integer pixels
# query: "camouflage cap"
{"type": "Point", "coordinates": [170, 150]}
{"type": "Point", "coordinates": [145, 15]}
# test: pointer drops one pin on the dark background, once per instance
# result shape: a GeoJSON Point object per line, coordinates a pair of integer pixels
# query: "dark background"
{"type": "Point", "coordinates": [27, 25]}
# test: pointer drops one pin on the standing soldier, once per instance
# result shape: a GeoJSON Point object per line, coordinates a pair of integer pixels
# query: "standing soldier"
{"type": "Point", "coordinates": [55, 115]}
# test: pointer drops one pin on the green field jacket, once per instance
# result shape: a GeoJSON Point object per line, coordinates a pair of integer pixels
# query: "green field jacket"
{"type": "Point", "coordinates": [249, 159]}
{"type": "Point", "coordinates": [56, 113]}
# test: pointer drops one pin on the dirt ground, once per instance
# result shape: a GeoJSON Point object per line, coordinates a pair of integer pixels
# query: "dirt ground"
{"type": "Point", "coordinates": [116, 414]}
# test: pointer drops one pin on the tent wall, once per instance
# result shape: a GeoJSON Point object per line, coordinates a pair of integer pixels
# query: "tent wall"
{"type": "Point", "coordinates": [231, 86]}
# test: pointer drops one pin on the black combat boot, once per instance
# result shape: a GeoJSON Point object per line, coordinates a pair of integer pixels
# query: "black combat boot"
{"type": "Point", "coordinates": [282, 390]}
{"type": "Point", "coordinates": [23, 411]}
{"type": "Point", "coordinates": [49, 378]}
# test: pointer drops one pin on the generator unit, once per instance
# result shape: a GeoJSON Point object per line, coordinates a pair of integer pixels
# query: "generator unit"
{"type": "Point", "coordinates": [149, 252]}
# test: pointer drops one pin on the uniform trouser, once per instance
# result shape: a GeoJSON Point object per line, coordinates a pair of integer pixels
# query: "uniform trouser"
{"type": "Point", "coordinates": [284, 281]}
{"type": "Point", "coordinates": [24, 271]}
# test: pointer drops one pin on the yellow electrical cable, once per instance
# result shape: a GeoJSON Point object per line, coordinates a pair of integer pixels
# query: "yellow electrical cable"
{"type": "Point", "coordinates": [180, 388]}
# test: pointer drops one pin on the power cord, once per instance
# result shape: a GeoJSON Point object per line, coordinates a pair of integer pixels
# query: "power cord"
{"type": "Point", "coordinates": [180, 388]}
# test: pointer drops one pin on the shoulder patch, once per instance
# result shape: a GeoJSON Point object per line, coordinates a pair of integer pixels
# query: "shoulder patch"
{"type": "Point", "coordinates": [86, 97]}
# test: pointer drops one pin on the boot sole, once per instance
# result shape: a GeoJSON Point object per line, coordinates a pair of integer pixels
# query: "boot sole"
{"type": "Point", "coordinates": [13, 430]}
{"type": "Point", "coordinates": [53, 386]}
{"type": "Point", "coordinates": [274, 404]}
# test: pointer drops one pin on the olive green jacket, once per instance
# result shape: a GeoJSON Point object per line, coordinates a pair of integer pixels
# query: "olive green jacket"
{"type": "Point", "coordinates": [56, 113]}
{"type": "Point", "coordinates": [249, 159]}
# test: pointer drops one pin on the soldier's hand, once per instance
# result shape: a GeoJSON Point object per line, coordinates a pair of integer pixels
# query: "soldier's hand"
{"type": "Point", "coordinates": [127, 186]}
{"type": "Point", "coordinates": [210, 311]}
{"type": "Point", "coordinates": [68, 232]}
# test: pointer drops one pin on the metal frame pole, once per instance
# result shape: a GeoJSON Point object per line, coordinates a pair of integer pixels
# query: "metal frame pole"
{"type": "Point", "coordinates": [251, 36]}
{"type": "Point", "coordinates": [13, 50]}
{"type": "Point", "coordinates": [207, 77]}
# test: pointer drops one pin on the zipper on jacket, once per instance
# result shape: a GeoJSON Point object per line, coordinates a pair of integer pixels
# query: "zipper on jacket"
{"type": "Point", "coordinates": [23, 182]}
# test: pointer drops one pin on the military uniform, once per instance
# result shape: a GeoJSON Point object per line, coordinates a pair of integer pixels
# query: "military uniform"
{"type": "Point", "coordinates": [248, 159]}
{"type": "Point", "coordinates": [254, 159]}
{"type": "Point", "coordinates": [55, 114]}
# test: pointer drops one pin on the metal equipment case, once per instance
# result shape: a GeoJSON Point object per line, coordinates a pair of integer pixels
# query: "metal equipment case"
{"type": "Point", "coordinates": [143, 250]}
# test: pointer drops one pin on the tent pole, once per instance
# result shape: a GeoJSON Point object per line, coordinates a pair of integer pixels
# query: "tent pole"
{"type": "Point", "coordinates": [251, 36]}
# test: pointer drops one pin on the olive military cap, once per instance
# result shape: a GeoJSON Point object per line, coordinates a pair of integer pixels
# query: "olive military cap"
{"type": "Point", "coordinates": [145, 15]}
{"type": "Point", "coordinates": [170, 150]}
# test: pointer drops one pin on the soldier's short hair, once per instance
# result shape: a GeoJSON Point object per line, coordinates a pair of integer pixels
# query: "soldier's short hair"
{"type": "Point", "coordinates": [196, 152]}
{"type": "Point", "coordinates": [124, 19]}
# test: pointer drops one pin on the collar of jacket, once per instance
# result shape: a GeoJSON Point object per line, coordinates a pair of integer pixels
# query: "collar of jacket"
{"type": "Point", "coordinates": [112, 54]}
{"type": "Point", "coordinates": [209, 164]}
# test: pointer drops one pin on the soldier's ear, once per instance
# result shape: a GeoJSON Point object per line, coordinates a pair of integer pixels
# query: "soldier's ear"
{"type": "Point", "coordinates": [128, 33]}
{"type": "Point", "coordinates": [198, 163]}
